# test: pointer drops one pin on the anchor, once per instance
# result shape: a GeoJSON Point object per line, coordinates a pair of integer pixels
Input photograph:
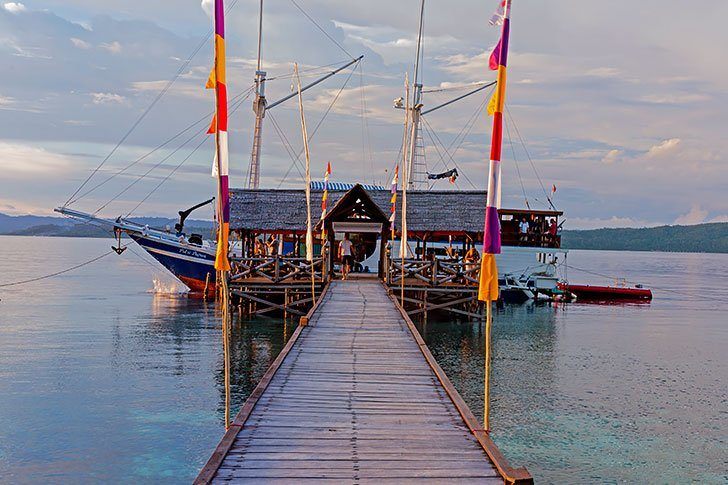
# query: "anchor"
{"type": "Point", "coordinates": [119, 249]}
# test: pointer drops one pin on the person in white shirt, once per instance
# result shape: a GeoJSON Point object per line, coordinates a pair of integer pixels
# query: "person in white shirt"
{"type": "Point", "coordinates": [346, 255]}
{"type": "Point", "coordinates": [523, 229]}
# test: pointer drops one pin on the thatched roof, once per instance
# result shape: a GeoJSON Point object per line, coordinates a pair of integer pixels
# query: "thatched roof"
{"type": "Point", "coordinates": [447, 211]}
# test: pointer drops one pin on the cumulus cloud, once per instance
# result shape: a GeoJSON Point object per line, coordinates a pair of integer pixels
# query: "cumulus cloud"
{"type": "Point", "coordinates": [81, 44]}
{"type": "Point", "coordinates": [695, 216]}
{"type": "Point", "coordinates": [107, 98]}
{"type": "Point", "coordinates": [663, 148]}
{"type": "Point", "coordinates": [14, 7]}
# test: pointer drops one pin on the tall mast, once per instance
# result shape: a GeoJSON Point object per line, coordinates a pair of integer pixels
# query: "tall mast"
{"type": "Point", "coordinates": [259, 105]}
{"type": "Point", "coordinates": [417, 171]}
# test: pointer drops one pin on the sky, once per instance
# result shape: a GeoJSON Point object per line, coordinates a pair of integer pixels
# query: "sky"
{"type": "Point", "coordinates": [622, 105]}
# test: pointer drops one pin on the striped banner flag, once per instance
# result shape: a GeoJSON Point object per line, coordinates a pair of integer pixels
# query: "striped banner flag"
{"type": "Point", "coordinates": [325, 198]}
{"type": "Point", "coordinates": [219, 123]}
{"type": "Point", "coordinates": [488, 288]}
{"type": "Point", "coordinates": [393, 210]}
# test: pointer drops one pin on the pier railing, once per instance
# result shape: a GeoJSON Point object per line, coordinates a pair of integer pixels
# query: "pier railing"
{"type": "Point", "coordinates": [276, 269]}
{"type": "Point", "coordinates": [433, 273]}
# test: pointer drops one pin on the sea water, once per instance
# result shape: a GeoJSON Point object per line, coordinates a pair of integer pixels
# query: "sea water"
{"type": "Point", "coordinates": [110, 374]}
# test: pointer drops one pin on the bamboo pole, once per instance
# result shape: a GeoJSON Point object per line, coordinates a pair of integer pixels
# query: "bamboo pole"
{"type": "Point", "coordinates": [486, 379]}
{"type": "Point", "coordinates": [405, 164]}
{"type": "Point", "coordinates": [309, 232]}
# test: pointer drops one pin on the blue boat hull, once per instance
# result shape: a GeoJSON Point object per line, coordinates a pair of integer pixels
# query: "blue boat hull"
{"type": "Point", "coordinates": [192, 265]}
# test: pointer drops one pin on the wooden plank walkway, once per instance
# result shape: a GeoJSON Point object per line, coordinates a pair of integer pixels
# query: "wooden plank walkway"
{"type": "Point", "coordinates": [356, 397]}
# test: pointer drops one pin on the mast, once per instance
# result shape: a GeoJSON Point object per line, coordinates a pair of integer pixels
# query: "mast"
{"type": "Point", "coordinates": [259, 106]}
{"type": "Point", "coordinates": [488, 288]}
{"type": "Point", "coordinates": [417, 171]}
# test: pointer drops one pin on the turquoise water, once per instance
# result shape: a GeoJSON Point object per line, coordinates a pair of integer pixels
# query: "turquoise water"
{"type": "Point", "coordinates": [104, 380]}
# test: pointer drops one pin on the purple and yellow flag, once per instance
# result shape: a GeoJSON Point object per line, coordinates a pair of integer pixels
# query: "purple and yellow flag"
{"type": "Point", "coordinates": [488, 289]}
{"type": "Point", "coordinates": [219, 127]}
{"type": "Point", "coordinates": [393, 200]}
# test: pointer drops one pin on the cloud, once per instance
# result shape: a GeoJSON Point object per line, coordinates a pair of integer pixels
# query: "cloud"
{"type": "Point", "coordinates": [604, 72]}
{"type": "Point", "coordinates": [674, 99]}
{"type": "Point", "coordinates": [14, 7]}
{"type": "Point", "coordinates": [113, 47]}
{"type": "Point", "coordinates": [23, 161]}
{"type": "Point", "coordinates": [6, 101]}
{"type": "Point", "coordinates": [720, 218]}
{"type": "Point", "coordinates": [663, 148]}
{"type": "Point", "coordinates": [612, 156]}
{"type": "Point", "coordinates": [207, 6]}
{"type": "Point", "coordinates": [81, 44]}
{"type": "Point", "coordinates": [695, 216]}
{"type": "Point", "coordinates": [107, 98]}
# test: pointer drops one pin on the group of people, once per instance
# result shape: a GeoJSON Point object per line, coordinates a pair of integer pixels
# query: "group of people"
{"type": "Point", "coordinates": [537, 232]}
{"type": "Point", "coordinates": [269, 247]}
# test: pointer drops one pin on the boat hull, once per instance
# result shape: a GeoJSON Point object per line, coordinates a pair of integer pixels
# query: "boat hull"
{"type": "Point", "coordinates": [193, 266]}
{"type": "Point", "coordinates": [605, 293]}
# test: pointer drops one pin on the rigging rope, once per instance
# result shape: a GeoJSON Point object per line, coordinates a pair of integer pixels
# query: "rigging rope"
{"type": "Point", "coordinates": [530, 160]}
{"type": "Point", "coordinates": [515, 162]}
{"type": "Point", "coordinates": [321, 29]}
{"type": "Point", "coordinates": [442, 159]}
{"type": "Point", "coordinates": [149, 108]}
{"type": "Point", "coordinates": [205, 118]}
{"type": "Point", "coordinates": [366, 139]}
{"type": "Point", "coordinates": [460, 171]}
{"type": "Point", "coordinates": [235, 106]}
{"type": "Point", "coordinates": [316, 128]}
{"type": "Point", "coordinates": [57, 273]}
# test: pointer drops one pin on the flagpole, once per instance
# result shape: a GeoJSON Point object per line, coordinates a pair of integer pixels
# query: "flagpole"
{"type": "Point", "coordinates": [309, 232]}
{"type": "Point", "coordinates": [222, 264]}
{"type": "Point", "coordinates": [488, 288]}
{"type": "Point", "coordinates": [405, 165]}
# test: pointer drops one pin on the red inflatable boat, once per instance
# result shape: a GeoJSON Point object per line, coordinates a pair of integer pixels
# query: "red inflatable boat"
{"type": "Point", "coordinates": [604, 293]}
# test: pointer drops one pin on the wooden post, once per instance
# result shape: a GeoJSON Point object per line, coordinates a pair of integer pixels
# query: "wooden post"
{"type": "Point", "coordinates": [486, 383]}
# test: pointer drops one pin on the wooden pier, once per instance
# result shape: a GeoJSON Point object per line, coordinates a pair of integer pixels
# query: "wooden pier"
{"type": "Point", "coordinates": [355, 397]}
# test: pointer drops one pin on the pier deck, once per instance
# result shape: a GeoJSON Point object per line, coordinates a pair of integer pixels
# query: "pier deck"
{"type": "Point", "coordinates": [356, 397]}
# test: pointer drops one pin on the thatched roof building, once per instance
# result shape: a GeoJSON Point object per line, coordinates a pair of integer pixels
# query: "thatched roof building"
{"type": "Point", "coordinates": [431, 215]}
{"type": "Point", "coordinates": [437, 211]}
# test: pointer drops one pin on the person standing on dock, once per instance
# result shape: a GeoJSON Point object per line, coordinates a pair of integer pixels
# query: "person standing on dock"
{"type": "Point", "coordinates": [345, 253]}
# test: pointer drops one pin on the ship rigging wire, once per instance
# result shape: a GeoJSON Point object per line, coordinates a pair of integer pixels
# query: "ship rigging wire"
{"type": "Point", "coordinates": [323, 31]}
{"type": "Point", "coordinates": [297, 158]}
{"type": "Point", "coordinates": [204, 118]}
{"type": "Point", "coordinates": [530, 160]}
{"type": "Point", "coordinates": [515, 162]}
{"type": "Point", "coordinates": [148, 109]}
{"type": "Point", "coordinates": [427, 124]}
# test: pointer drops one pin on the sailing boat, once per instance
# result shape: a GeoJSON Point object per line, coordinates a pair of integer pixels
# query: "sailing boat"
{"type": "Point", "coordinates": [191, 257]}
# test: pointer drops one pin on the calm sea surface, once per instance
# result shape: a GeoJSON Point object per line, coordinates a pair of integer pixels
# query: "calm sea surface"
{"type": "Point", "coordinates": [105, 379]}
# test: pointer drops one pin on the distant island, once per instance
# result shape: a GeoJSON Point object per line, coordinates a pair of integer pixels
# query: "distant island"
{"type": "Point", "coordinates": [51, 226]}
{"type": "Point", "coordinates": [701, 238]}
